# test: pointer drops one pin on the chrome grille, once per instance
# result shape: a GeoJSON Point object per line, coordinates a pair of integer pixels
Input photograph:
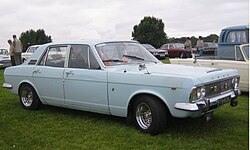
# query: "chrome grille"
{"type": "Point", "coordinates": [218, 87]}
{"type": "Point", "coordinates": [5, 61]}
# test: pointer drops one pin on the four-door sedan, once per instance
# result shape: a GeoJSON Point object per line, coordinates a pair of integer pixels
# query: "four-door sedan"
{"type": "Point", "coordinates": [119, 78]}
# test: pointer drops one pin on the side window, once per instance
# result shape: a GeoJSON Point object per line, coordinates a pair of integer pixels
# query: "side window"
{"type": "Point", "coordinates": [81, 57]}
{"type": "Point", "coordinates": [165, 46]}
{"type": "Point", "coordinates": [56, 56]}
{"type": "Point", "coordinates": [237, 37]}
{"type": "Point", "coordinates": [171, 46]}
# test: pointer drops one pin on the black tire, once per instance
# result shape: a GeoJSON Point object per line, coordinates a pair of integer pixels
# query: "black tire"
{"type": "Point", "coordinates": [28, 97]}
{"type": "Point", "coordinates": [150, 115]}
{"type": "Point", "coordinates": [181, 55]}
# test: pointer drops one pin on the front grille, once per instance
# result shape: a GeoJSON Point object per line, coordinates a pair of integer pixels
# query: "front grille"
{"type": "Point", "coordinates": [5, 61]}
{"type": "Point", "coordinates": [161, 52]}
{"type": "Point", "coordinates": [218, 87]}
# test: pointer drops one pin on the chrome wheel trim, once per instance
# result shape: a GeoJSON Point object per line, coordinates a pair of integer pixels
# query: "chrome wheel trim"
{"type": "Point", "coordinates": [143, 115]}
{"type": "Point", "coordinates": [27, 97]}
{"type": "Point", "coordinates": [181, 55]}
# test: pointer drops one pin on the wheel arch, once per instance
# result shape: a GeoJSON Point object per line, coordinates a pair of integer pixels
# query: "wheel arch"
{"type": "Point", "coordinates": [135, 97]}
{"type": "Point", "coordinates": [29, 83]}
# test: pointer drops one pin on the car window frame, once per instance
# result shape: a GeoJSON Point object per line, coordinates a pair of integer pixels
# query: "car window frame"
{"type": "Point", "coordinates": [45, 55]}
{"type": "Point", "coordinates": [89, 52]}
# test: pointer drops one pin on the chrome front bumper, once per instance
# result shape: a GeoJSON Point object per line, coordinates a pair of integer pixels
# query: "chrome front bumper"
{"type": "Point", "coordinates": [210, 103]}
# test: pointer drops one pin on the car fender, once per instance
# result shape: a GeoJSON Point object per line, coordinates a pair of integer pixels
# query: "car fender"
{"type": "Point", "coordinates": [30, 83]}
{"type": "Point", "coordinates": [151, 92]}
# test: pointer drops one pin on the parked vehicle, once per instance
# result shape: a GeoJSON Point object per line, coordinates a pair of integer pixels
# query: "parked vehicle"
{"type": "Point", "coordinates": [158, 53]}
{"type": "Point", "coordinates": [229, 37]}
{"type": "Point", "coordinates": [210, 49]}
{"type": "Point", "coordinates": [176, 50]}
{"type": "Point", "coordinates": [120, 78]}
{"type": "Point", "coordinates": [4, 58]}
{"type": "Point", "coordinates": [240, 62]}
{"type": "Point", "coordinates": [30, 50]}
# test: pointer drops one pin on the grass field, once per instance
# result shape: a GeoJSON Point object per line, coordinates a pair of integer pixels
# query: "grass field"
{"type": "Point", "coordinates": [59, 128]}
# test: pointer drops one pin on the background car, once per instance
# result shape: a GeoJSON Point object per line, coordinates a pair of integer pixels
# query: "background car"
{"type": "Point", "coordinates": [158, 53]}
{"type": "Point", "coordinates": [4, 58]}
{"type": "Point", "coordinates": [210, 49]}
{"type": "Point", "coordinates": [239, 62]}
{"type": "Point", "coordinates": [30, 50]}
{"type": "Point", "coordinates": [176, 50]}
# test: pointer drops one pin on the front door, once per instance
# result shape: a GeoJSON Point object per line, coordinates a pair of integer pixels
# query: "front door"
{"type": "Point", "coordinates": [85, 84]}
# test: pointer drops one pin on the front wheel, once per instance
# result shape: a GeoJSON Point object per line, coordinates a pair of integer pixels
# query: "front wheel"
{"type": "Point", "coordinates": [150, 115]}
{"type": "Point", "coordinates": [29, 98]}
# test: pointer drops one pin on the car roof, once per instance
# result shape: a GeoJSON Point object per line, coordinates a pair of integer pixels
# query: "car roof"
{"type": "Point", "coordinates": [241, 27]}
{"type": "Point", "coordinates": [34, 45]}
{"type": "Point", "coordinates": [88, 42]}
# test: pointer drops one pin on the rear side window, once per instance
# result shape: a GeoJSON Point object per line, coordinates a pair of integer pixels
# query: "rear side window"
{"type": "Point", "coordinates": [237, 37]}
{"type": "Point", "coordinates": [55, 56]}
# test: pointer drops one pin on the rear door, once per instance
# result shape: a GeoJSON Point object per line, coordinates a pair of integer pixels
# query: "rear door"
{"type": "Point", "coordinates": [48, 75]}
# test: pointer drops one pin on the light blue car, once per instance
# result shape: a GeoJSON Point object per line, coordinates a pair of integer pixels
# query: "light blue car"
{"type": "Point", "coordinates": [119, 78]}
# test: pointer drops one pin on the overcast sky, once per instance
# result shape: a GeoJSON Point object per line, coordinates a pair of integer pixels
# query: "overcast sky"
{"type": "Point", "coordinates": [115, 19]}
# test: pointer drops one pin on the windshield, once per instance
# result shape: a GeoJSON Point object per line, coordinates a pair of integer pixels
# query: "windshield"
{"type": "Point", "coordinates": [210, 44]}
{"type": "Point", "coordinates": [179, 45]}
{"type": "Point", "coordinates": [246, 51]}
{"type": "Point", "coordinates": [148, 46]}
{"type": "Point", "coordinates": [31, 49]}
{"type": "Point", "coordinates": [119, 53]}
{"type": "Point", "coordinates": [3, 52]}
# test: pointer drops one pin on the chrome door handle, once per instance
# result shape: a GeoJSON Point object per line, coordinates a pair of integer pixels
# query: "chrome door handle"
{"type": "Point", "coordinates": [69, 73]}
{"type": "Point", "coordinates": [37, 71]}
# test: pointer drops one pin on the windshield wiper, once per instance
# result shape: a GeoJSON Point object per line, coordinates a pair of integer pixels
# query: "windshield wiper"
{"type": "Point", "coordinates": [139, 58]}
{"type": "Point", "coordinates": [133, 57]}
{"type": "Point", "coordinates": [112, 60]}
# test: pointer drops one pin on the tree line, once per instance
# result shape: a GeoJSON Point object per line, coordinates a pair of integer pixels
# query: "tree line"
{"type": "Point", "coordinates": [150, 30]}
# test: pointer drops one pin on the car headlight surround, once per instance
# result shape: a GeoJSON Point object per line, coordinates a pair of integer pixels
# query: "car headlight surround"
{"type": "Point", "coordinates": [197, 93]}
{"type": "Point", "coordinates": [235, 82]}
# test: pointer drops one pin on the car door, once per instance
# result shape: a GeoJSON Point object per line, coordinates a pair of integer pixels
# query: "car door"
{"type": "Point", "coordinates": [48, 75]}
{"type": "Point", "coordinates": [85, 84]}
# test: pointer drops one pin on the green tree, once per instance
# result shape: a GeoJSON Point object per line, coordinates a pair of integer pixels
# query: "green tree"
{"type": "Point", "coordinates": [193, 41]}
{"type": "Point", "coordinates": [150, 30]}
{"type": "Point", "coordinates": [32, 37]}
{"type": "Point", "coordinates": [211, 38]}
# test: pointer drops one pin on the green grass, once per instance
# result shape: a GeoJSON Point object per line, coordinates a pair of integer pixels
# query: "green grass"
{"type": "Point", "coordinates": [59, 128]}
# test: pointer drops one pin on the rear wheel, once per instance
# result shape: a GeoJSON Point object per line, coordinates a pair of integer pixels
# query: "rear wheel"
{"type": "Point", "coordinates": [150, 115]}
{"type": "Point", "coordinates": [28, 97]}
{"type": "Point", "coordinates": [181, 55]}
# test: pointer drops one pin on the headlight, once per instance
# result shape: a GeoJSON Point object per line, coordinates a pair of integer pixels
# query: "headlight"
{"type": "Point", "coordinates": [235, 82]}
{"type": "Point", "coordinates": [197, 93]}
